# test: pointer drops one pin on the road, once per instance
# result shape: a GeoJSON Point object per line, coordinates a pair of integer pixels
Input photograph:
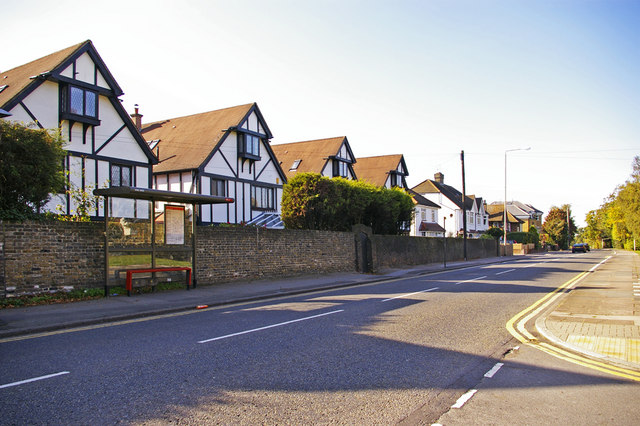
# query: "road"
{"type": "Point", "coordinates": [400, 351]}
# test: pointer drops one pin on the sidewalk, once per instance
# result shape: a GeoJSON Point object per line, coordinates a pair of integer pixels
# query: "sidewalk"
{"type": "Point", "coordinates": [599, 321]}
{"type": "Point", "coordinates": [38, 319]}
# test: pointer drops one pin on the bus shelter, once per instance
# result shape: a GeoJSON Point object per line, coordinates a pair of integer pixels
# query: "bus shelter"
{"type": "Point", "coordinates": [150, 234]}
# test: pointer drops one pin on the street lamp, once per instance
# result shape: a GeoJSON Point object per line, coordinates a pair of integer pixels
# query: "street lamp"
{"type": "Point", "coordinates": [504, 241]}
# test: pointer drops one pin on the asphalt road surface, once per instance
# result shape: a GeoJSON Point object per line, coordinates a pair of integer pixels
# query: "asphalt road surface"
{"type": "Point", "coordinates": [400, 351]}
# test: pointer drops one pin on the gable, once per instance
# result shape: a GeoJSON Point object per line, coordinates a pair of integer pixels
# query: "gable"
{"type": "Point", "coordinates": [311, 156]}
{"type": "Point", "coordinates": [35, 93]}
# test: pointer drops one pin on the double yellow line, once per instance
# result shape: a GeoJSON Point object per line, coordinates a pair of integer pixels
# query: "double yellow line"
{"type": "Point", "coordinates": [516, 327]}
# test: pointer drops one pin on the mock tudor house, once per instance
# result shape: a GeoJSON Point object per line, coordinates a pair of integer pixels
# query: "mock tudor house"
{"type": "Point", "coordinates": [224, 152]}
{"type": "Point", "coordinates": [388, 171]}
{"type": "Point", "coordinates": [450, 201]}
{"type": "Point", "coordinates": [384, 171]}
{"type": "Point", "coordinates": [330, 157]}
{"type": "Point", "coordinates": [73, 90]}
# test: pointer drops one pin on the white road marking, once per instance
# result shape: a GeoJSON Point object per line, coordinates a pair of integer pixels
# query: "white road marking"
{"type": "Point", "coordinates": [22, 382]}
{"type": "Point", "coordinates": [596, 266]}
{"type": "Point", "coordinates": [464, 398]}
{"type": "Point", "coordinates": [504, 272]}
{"type": "Point", "coordinates": [473, 279]}
{"type": "Point", "coordinates": [494, 370]}
{"type": "Point", "coordinates": [269, 326]}
{"type": "Point", "coordinates": [411, 294]}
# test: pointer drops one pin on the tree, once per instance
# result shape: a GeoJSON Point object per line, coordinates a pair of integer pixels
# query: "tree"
{"type": "Point", "coordinates": [30, 169]}
{"type": "Point", "coordinates": [555, 226]}
{"type": "Point", "coordinates": [618, 219]}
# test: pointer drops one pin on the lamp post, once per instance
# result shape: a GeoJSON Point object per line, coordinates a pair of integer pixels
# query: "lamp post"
{"type": "Point", "coordinates": [504, 241]}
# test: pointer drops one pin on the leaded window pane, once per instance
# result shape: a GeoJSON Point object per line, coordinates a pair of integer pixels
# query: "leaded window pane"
{"type": "Point", "coordinates": [90, 104]}
{"type": "Point", "coordinates": [76, 104]}
{"type": "Point", "coordinates": [126, 176]}
{"type": "Point", "coordinates": [115, 175]}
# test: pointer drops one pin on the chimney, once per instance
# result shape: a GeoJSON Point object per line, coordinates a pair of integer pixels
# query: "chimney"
{"type": "Point", "coordinates": [438, 177]}
{"type": "Point", "coordinates": [137, 118]}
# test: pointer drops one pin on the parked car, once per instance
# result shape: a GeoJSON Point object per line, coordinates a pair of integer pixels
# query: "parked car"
{"type": "Point", "coordinates": [581, 247]}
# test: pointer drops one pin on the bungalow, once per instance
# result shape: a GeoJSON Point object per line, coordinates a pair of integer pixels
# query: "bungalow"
{"type": "Point", "coordinates": [450, 200]}
{"type": "Point", "coordinates": [73, 90]}
{"type": "Point", "coordinates": [224, 152]}
{"type": "Point", "coordinates": [330, 157]}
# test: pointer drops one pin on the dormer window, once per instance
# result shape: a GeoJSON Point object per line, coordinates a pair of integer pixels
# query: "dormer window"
{"type": "Point", "coordinates": [79, 104]}
{"type": "Point", "coordinates": [340, 169]}
{"type": "Point", "coordinates": [249, 146]}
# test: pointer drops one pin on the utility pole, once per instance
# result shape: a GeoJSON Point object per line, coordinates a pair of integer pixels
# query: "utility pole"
{"type": "Point", "coordinates": [464, 207]}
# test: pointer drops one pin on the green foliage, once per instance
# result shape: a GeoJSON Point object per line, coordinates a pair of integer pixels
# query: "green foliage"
{"type": "Point", "coordinates": [617, 222]}
{"type": "Point", "coordinates": [84, 200]}
{"type": "Point", "coordinates": [30, 169]}
{"type": "Point", "coordinates": [310, 201]}
{"type": "Point", "coordinates": [524, 237]}
{"type": "Point", "coordinates": [558, 230]}
{"type": "Point", "coordinates": [495, 233]}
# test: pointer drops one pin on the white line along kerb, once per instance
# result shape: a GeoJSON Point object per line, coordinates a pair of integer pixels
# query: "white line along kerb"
{"type": "Point", "coordinates": [269, 326]}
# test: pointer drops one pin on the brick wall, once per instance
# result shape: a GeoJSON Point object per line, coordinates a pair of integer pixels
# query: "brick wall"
{"type": "Point", "coordinates": [391, 251]}
{"type": "Point", "coordinates": [42, 256]}
{"type": "Point", "coordinates": [226, 254]}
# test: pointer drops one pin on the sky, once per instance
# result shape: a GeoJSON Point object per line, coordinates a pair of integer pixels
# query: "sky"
{"type": "Point", "coordinates": [426, 79]}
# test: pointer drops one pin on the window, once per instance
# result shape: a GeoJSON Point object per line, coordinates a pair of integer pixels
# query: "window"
{"type": "Point", "coordinates": [340, 168]}
{"type": "Point", "coordinates": [424, 215]}
{"type": "Point", "coordinates": [218, 187]}
{"type": "Point", "coordinates": [79, 104]}
{"type": "Point", "coordinates": [263, 198]}
{"type": "Point", "coordinates": [394, 179]}
{"type": "Point", "coordinates": [249, 146]}
{"type": "Point", "coordinates": [121, 175]}
{"type": "Point", "coordinates": [433, 216]}
{"type": "Point", "coordinates": [295, 165]}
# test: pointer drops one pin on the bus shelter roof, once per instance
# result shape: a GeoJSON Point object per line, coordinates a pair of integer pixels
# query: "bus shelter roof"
{"type": "Point", "coordinates": [158, 195]}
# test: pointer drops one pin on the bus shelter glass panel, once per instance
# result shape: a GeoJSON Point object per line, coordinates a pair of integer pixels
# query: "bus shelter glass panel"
{"type": "Point", "coordinates": [130, 235]}
{"type": "Point", "coordinates": [173, 235]}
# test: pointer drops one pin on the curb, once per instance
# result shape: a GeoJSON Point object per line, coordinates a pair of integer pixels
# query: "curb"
{"type": "Point", "coordinates": [255, 298]}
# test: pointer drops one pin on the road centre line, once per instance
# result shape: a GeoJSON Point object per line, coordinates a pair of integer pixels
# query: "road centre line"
{"type": "Point", "coordinates": [464, 398]}
{"type": "Point", "coordinates": [489, 374]}
{"type": "Point", "coordinates": [22, 382]}
{"type": "Point", "coordinates": [504, 272]}
{"type": "Point", "coordinates": [269, 326]}
{"type": "Point", "coordinates": [472, 279]}
{"type": "Point", "coordinates": [411, 294]}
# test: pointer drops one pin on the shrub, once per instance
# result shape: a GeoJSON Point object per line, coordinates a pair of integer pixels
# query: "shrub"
{"type": "Point", "coordinates": [311, 201]}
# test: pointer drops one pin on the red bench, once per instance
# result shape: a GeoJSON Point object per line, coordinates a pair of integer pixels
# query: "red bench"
{"type": "Point", "coordinates": [130, 273]}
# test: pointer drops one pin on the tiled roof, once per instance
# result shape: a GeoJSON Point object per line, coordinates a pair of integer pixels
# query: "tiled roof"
{"type": "Point", "coordinates": [431, 187]}
{"type": "Point", "coordinates": [17, 79]}
{"type": "Point", "coordinates": [186, 142]}
{"type": "Point", "coordinates": [430, 227]}
{"type": "Point", "coordinates": [375, 170]}
{"type": "Point", "coordinates": [313, 155]}
{"type": "Point", "coordinates": [499, 217]}
{"type": "Point", "coordinates": [420, 200]}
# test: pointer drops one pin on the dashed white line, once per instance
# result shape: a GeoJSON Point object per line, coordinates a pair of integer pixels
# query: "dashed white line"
{"type": "Point", "coordinates": [464, 398]}
{"type": "Point", "coordinates": [411, 294]}
{"type": "Point", "coordinates": [22, 382]}
{"type": "Point", "coordinates": [473, 279]}
{"type": "Point", "coordinates": [504, 272]}
{"type": "Point", "coordinates": [489, 374]}
{"type": "Point", "coordinates": [269, 326]}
